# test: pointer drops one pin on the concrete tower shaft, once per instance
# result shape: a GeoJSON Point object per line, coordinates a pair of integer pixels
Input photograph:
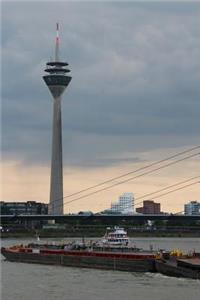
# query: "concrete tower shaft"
{"type": "Point", "coordinates": [57, 81]}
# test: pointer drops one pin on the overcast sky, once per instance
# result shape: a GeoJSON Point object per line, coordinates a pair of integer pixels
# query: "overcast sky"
{"type": "Point", "coordinates": [135, 81]}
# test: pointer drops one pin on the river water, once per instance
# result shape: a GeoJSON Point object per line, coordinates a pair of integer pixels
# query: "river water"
{"type": "Point", "coordinates": [22, 281]}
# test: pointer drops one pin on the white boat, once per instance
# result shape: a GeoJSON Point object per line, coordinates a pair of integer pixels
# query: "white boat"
{"type": "Point", "coordinates": [117, 237]}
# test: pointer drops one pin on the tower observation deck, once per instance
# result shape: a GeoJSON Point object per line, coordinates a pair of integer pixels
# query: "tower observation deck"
{"type": "Point", "coordinates": [57, 80]}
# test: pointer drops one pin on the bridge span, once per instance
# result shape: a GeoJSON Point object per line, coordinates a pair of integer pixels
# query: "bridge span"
{"type": "Point", "coordinates": [70, 218]}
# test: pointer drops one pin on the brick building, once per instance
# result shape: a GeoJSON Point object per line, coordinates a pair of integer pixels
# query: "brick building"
{"type": "Point", "coordinates": [149, 207]}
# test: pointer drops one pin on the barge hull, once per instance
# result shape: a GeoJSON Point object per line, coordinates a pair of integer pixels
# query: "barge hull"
{"type": "Point", "coordinates": [175, 271]}
{"type": "Point", "coordinates": [108, 263]}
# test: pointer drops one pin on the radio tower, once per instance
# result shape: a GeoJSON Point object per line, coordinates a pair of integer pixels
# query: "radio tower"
{"type": "Point", "coordinates": [57, 81]}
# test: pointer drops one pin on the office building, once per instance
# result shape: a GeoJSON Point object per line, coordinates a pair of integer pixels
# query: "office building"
{"type": "Point", "coordinates": [125, 204]}
{"type": "Point", "coordinates": [192, 208]}
{"type": "Point", "coordinates": [23, 208]}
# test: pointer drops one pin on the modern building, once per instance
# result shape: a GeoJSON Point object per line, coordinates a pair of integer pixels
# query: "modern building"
{"type": "Point", "coordinates": [192, 208]}
{"type": "Point", "coordinates": [57, 81]}
{"type": "Point", "coordinates": [125, 204]}
{"type": "Point", "coordinates": [23, 208]}
{"type": "Point", "coordinates": [149, 207]}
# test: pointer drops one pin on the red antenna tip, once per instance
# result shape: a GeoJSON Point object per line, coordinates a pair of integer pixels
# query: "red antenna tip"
{"type": "Point", "coordinates": [57, 33]}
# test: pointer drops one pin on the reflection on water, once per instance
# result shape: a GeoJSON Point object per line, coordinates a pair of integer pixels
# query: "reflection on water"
{"type": "Point", "coordinates": [31, 281]}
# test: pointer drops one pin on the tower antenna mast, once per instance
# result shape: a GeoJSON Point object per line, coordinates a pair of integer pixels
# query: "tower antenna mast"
{"type": "Point", "coordinates": [57, 43]}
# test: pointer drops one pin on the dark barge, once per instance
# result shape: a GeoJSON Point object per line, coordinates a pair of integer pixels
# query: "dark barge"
{"type": "Point", "coordinates": [122, 261]}
{"type": "Point", "coordinates": [179, 267]}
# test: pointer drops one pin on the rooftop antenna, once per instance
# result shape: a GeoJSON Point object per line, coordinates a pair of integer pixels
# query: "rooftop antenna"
{"type": "Point", "coordinates": [57, 43]}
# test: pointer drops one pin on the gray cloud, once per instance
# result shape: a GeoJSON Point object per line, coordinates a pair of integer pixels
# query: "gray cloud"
{"type": "Point", "coordinates": [135, 69]}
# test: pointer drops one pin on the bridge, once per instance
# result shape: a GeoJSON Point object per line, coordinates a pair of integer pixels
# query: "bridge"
{"type": "Point", "coordinates": [70, 218]}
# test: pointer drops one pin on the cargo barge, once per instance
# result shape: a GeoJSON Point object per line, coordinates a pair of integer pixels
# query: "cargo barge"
{"type": "Point", "coordinates": [111, 260]}
{"type": "Point", "coordinates": [113, 252]}
{"type": "Point", "coordinates": [108, 259]}
{"type": "Point", "coordinates": [186, 267]}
